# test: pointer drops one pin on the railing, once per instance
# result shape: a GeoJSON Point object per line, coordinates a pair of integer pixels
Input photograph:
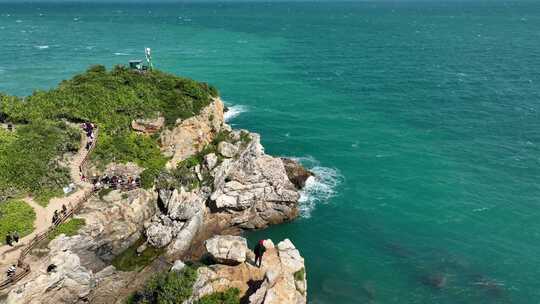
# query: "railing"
{"type": "Point", "coordinates": [21, 265]}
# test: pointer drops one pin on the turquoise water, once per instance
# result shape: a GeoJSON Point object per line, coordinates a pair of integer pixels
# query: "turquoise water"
{"type": "Point", "coordinates": [421, 119]}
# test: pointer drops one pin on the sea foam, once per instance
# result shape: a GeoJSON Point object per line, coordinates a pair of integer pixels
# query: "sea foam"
{"type": "Point", "coordinates": [319, 189]}
{"type": "Point", "coordinates": [234, 111]}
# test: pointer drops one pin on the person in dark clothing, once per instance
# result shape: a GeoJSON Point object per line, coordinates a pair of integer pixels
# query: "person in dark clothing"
{"type": "Point", "coordinates": [55, 217]}
{"type": "Point", "coordinates": [64, 209]}
{"type": "Point", "coordinates": [16, 236]}
{"type": "Point", "coordinates": [51, 268]}
{"type": "Point", "coordinates": [259, 251]}
{"type": "Point", "coordinates": [9, 240]}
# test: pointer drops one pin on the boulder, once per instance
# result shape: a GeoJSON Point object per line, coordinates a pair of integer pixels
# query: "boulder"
{"type": "Point", "coordinates": [210, 160]}
{"type": "Point", "coordinates": [178, 266]}
{"type": "Point", "coordinates": [227, 149]}
{"type": "Point", "coordinates": [296, 173]}
{"type": "Point", "coordinates": [272, 283]}
{"type": "Point", "coordinates": [149, 125]}
{"type": "Point", "coordinates": [179, 220]}
{"type": "Point", "coordinates": [227, 249]}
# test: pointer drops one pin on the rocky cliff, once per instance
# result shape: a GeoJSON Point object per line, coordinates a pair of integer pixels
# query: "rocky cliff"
{"type": "Point", "coordinates": [214, 175]}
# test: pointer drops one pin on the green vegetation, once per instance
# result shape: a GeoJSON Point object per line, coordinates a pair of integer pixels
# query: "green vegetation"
{"type": "Point", "coordinates": [130, 260]}
{"type": "Point", "coordinates": [69, 228]}
{"type": "Point", "coordinates": [16, 216]}
{"type": "Point", "coordinates": [300, 275]}
{"type": "Point", "coordinates": [230, 296]}
{"type": "Point", "coordinates": [29, 159]}
{"type": "Point", "coordinates": [111, 99]}
{"type": "Point", "coordinates": [167, 288]}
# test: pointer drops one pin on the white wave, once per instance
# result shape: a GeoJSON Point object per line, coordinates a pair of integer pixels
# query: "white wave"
{"type": "Point", "coordinates": [121, 54]}
{"type": "Point", "coordinates": [234, 111]}
{"type": "Point", "coordinates": [319, 189]}
{"type": "Point", "coordinates": [42, 47]}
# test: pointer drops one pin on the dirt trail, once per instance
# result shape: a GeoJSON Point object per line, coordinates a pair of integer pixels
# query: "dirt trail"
{"type": "Point", "coordinates": [44, 215]}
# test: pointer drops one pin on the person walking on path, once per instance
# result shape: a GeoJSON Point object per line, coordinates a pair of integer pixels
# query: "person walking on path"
{"type": "Point", "coordinates": [16, 236]}
{"type": "Point", "coordinates": [55, 217]}
{"type": "Point", "coordinates": [259, 251]}
{"type": "Point", "coordinates": [9, 240]}
{"type": "Point", "coordinates": [64, 209]}
{"type": "Point", "coordinates": [11, 270]}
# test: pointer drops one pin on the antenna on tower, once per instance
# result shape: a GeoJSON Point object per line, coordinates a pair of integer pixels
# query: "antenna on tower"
{"type": "Point", "coordinates": [148, 53]}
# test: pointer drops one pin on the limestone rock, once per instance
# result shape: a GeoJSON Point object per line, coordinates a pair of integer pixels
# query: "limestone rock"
{"type": "Point", "coordinates": [148, 126]}
{"type": "Point", "coordinates": [181, 217]}
{"type": "Point", "coordinates": [193, 134]}
{"type": "Point", "coordinates": [116, 223]}
{"type": "Point", "coordinates": [254, 188]}
{"type": "Point", "coordinates": [297, 174]}
{"type": "Point", "coordinates": [227, 149]}
{"type": "Point", "coordinates": [178, 266]}
{"type": "Point", "coordinates": [211, 161]}
{"type": "Point", "coordinates": [227, 249]}
{"type": "Point", "coordinates": [278, 284]}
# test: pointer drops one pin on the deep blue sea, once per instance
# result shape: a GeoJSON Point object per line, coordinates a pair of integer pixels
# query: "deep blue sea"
{"type": "Point", "coordinates": [421, 119]}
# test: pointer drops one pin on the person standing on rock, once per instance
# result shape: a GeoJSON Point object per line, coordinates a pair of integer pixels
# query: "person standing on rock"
{"type": "Point", "coordinates": [16, 236]}
{"type": "Point", "coordinates": [259, 251]}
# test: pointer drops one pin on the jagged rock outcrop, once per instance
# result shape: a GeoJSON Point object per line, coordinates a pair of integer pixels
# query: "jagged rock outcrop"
{"type": "Point", "coordinates": [253, 187]}
{"type": "Point", "coordinates": [191, 135]}
{"type": "Point", "coordinates": [148, 125]}
{"type": "Point", "coordinates": [69, 282]}
{"type": "Point", "coordinates": [115, 221]}
{"type": "Point", "coordinates": [297, 174]}
{"type": "Point", "coordinates": [227, 249]}
{"type": "Point", "coordinates": [181, 217]}
{"type": "Point", "coordinates": [280, 279]}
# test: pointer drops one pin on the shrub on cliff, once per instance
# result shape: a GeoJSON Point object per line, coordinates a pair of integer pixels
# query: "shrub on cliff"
{"type": "Point", "coordinates": [230, 296]}
{"type": "Point", "coordinates": [166, 288]}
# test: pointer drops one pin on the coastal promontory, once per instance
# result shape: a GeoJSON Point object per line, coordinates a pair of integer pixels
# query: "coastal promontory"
{"type": "Point", "coordinates": [128, 186]}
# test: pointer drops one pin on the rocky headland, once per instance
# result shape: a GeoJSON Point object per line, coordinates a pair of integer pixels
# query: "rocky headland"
{"type": "Point", "coordinates": [217, 181]}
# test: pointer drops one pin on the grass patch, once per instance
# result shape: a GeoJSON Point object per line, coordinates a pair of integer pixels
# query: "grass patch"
{"type": "Point", "coordinates": [300, 275]}
{"type": "Point", "coordinates": [16, 216]}
{"type": "Point", "coordinates": [129, 260]}
{"type": "Point", "coordinates": [230, 296]}
{"type": "Point", "coordinates": [166, 288]}
{"type": "Point", "coordinates": [69, 228]}
{"type": "Point", "coordinates": [30, 162]}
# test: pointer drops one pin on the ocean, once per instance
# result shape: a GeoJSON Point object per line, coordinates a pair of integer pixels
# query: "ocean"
{"type": "Point", "coordinates": [421, 120]}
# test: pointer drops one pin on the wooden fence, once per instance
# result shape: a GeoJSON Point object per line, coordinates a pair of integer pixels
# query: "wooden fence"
{"type": "Point", "coordinates": [23, 268]}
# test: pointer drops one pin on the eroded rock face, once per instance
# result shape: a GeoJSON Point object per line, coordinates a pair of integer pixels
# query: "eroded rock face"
{"type": "Point", "coordinates": [114, 222]}
{"type": "Point", "coordinates": [276, 277]}
{"type": "Point", "coordinates": [69, 282]}
{"type": "Point", "coordinates": [181, 217]}
{"type": "Point", "coordinates": [193, 134]}
{"type": "Point", "coordinates": [148, 126]}
{"type": "Point", "coordinates": [227, 249]}
{"type": "Point", "coordinates": [297, 174]}
{"type": "Point", "coordinates": [254, 187]}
